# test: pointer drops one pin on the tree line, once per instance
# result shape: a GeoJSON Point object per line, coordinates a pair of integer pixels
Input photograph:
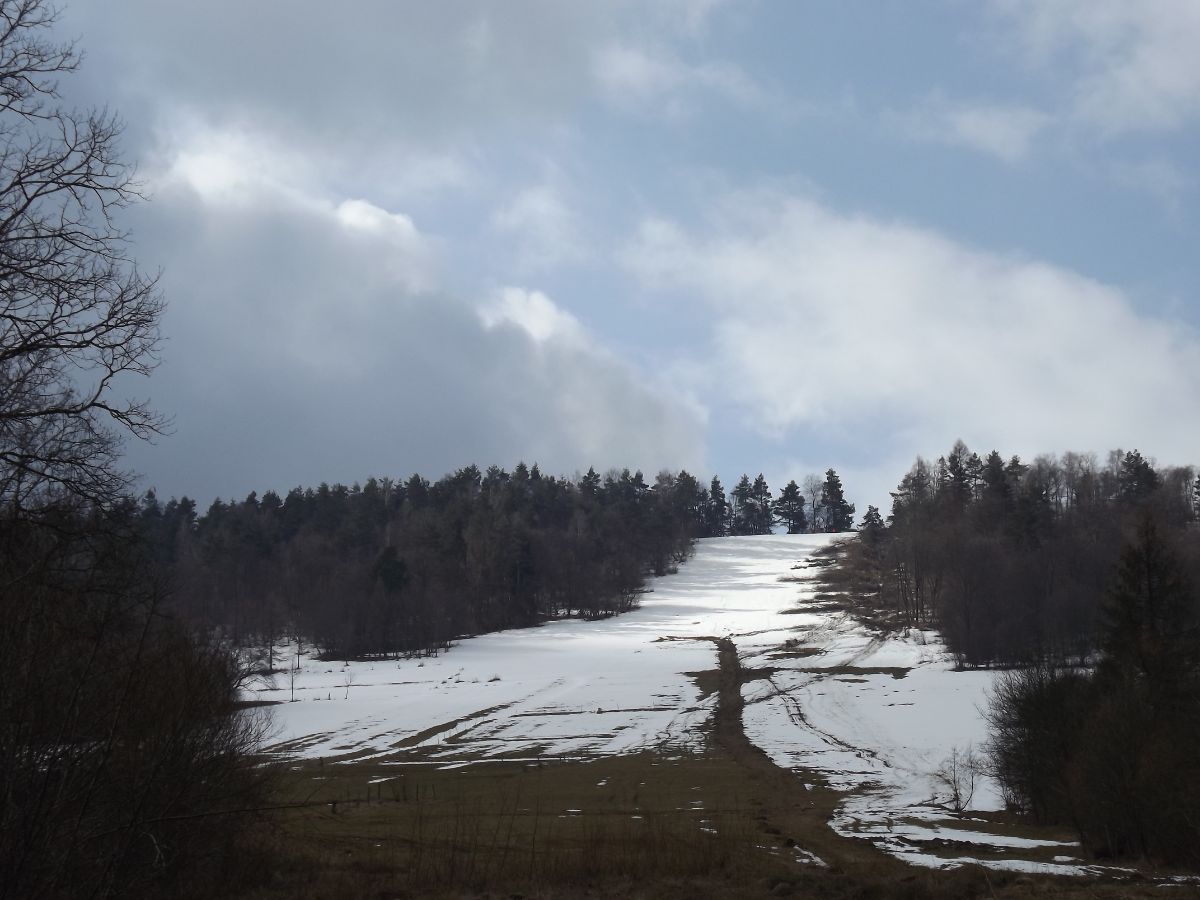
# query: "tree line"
{"type": "Point", "coordinates": [1085, 579]}
{"type": "Point", "coordinates": [1012, 560]}
{"type": "Point", "coordinates": [1113, 748]}
{"type": "Point", "coordinates": [393, 567]}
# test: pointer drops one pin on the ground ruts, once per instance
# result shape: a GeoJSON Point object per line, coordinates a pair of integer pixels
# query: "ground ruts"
{"type": "Point", "coordinates": [792, 808]}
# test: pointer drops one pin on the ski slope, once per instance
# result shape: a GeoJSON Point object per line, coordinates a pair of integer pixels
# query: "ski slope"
{"type": "Point", "coordinates": [870, 714]}
{"type": "Point", "coordinates": [566, 688]}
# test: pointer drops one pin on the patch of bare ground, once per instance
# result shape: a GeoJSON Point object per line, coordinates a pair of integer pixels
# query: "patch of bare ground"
{"type": "Point", "coordinates": [847, 576]}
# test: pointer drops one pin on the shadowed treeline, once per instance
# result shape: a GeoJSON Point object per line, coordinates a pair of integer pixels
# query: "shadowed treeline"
{"type": "Point", "coordinates": [1084, 578]}
{"type": "Point", "coordinates": [1011, 560]}
{"type": "Point", "coordinates": [395, 568]}
{"type": "Point", "coordinates": [398, 568]}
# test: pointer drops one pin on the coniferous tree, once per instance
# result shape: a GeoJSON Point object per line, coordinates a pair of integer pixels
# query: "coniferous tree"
{"type": "Point", "coordinates": [958, 490]}
{"type": "Point", "coordinates": [974, 468]}
{"type": "Point", "coordinates": [589, 485]}
{"type": "Point", "coordinates": [872, 520]}
{"type": "Point", "coordinates": [1136, 479]}
{"type": "Point", "coordinates": [789, 509]}
{"type": "Point", "coordinates": [872, 529]}
{"type": "Point", "coordinates": [742, 516]}
{"type": "Point", "coordinates": [716, 520]}
{"type": "Point", "coordinates": [762, 516]}
{"type": "Point", "coordinates": [1152, 617]}
{"type": "Point", "coordinates": [838, 513]}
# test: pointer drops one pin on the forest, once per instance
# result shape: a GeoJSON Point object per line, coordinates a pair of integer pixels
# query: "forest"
{"type": "Point", "coordinates": [1082, 580]}
{"type": "Point", "coordinates": [397, 568]}
{"type": "Point", "coordinates": [1012, 560]}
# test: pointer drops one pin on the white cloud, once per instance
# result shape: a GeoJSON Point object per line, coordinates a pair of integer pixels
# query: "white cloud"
{"type": "Point", "coordinates": [234, 170]}
{"type": "Point", "coordinates": [1134, 65]}
{"type": "Point", "coordinates": [690, 16]}
{"type": "Point", "coordinates": [547, 232]}
{"type": "Point", "coordinates": [1156, 176]}
{"type": "Point", "coordinates": [860, 330]}
{"type": "Point", "coordinates": [534, 313]}
{"type": "Point", "coordinates": [1004, 131]}
{"type": "Point", "coordinates": [640, 78]}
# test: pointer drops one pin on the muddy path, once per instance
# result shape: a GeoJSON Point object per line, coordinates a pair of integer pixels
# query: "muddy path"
{"type": "Point", "coordinates": [792, 808]}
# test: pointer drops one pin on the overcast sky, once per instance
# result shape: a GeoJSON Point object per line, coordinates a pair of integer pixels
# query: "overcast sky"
{"type": "Point", "coordinates": [732, 236]}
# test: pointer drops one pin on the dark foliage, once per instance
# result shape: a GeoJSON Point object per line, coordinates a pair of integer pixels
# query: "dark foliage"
{"type": "Point", "coordinates": [789, 509]}
{"type": "Point", "coordinates": [837, 514]}
{"type": "Point", "coordinates": [1085, 577]}
{"type": "Point", "coordinates": [1116, 751]}
{"type": "Point", "coordinates": [121, 754]}
{"type": "Point", "coordinates": [397, 568]}
{"type": "Point", "coordinates": [1012, 561]}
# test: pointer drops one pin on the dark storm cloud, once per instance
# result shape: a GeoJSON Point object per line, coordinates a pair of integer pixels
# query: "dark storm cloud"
{"type": "Point", "coordinates": [311, 335]}
{"type": "Point", "coordinates": [308, 342]}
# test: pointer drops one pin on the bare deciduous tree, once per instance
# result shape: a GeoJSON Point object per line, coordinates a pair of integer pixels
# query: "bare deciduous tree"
{"type": "Point", "coordinates": [75, 313]}
{"type": "Point", "coordinates": [123, 756]}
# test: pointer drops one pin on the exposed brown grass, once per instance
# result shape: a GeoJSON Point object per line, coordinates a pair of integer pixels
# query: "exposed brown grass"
{"type": "Point", "coordinates": [503, 829]}
{"type": "Point", "coordinates": [722, 823]}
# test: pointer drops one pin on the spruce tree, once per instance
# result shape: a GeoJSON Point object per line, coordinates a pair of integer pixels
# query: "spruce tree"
{"type": "Point", "coordinates": [716, 518]}
{"type": "Point", "coordinates": [872, 528]}
{"type": "Point", "coordinates": [589, 485]}
{"type": "Point", "coordinates": [761, 515]}
{"type": "Point", "coordinates": [839, 515]}
{"type": "Point", "coordinates": [1136, 480]}
{"type": "Point", "coordinates": [789, 509]}
{"type": "Point", "coordinates": [1152, 618]}
{"type": "Point", "coordinates": [742, 517]}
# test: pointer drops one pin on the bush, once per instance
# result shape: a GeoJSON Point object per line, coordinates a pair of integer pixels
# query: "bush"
{"type": "Point", "coordinates": [1115, 753]}
{"type": "Point", "coordinates": [123, 758]}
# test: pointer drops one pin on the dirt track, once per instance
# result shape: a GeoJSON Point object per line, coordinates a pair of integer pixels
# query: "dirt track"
{"type": "Point", "coordinates": [793, 808]}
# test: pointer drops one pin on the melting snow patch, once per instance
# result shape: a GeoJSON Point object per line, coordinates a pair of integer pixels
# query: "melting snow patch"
{"type": "Point", "coordinates": [834, 701]}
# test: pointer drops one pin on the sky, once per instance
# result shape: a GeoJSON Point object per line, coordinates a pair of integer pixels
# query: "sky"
{"type": "Point", "coordinates": [727, 235]}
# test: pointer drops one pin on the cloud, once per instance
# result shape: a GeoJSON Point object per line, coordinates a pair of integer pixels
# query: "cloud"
{"type": "Point", "coordinates": [535, 314]}
{"type": "Point", "coordinates": [545, 229]}
{"type": "Point", "coordinates": [1133, 66]}
{"type": "Point", "coordinates": [421, 76]}
{"type": "Point", "coordinates": [311, 338]}
{"type": "Point", "coordinates": [881, 339]}
{"type": "Point", "coordinates": [642, 79]}
{"type": "Point", "coordinates": [1004, 131]}
{"type": "Point", "coordinates": [1156, 176]}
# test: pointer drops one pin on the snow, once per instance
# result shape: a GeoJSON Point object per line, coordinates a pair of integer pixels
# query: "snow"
{"type": "Point", "coordinates": [874, 715]}
{"type": "Point", "coordinates": [569, 688]}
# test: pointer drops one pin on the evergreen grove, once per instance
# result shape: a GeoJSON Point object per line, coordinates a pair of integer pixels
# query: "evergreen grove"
{"type": "Point", "coordinates": [1083, 580]}
{"type": "Point", "coordinates": [404, 567]}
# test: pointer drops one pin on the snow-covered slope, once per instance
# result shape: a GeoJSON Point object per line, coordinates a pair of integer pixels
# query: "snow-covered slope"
{"type": "Point", "coordinates": [875, 715]}
{"type": "Point", "coordinates": [566, 688]}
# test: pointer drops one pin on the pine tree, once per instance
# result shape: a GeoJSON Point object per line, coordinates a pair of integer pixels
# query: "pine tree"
{"type": "Point", "coordinates": [716, 519]}
{"type": "Point", "coordinates": [958, 479]}
{"type": "Point", "coordinates": [974, 467]}
{"type": "Point", "coordinates": [589, 485]}
{"type": "Point", "coordinates": [1151, 618]}
{"type": "Point", "coordinates": [789, 509]}
{"type": "Point", "coordinates": [742, 517]}
{"type": "Point", "coordinates": [1136, 480]}
{"type": "Point", "coordinates": [762, 517]}
{"type": "Point", "coordinates": [872, 528]}
{"type": "Point", "coordinates": [839, 515]}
